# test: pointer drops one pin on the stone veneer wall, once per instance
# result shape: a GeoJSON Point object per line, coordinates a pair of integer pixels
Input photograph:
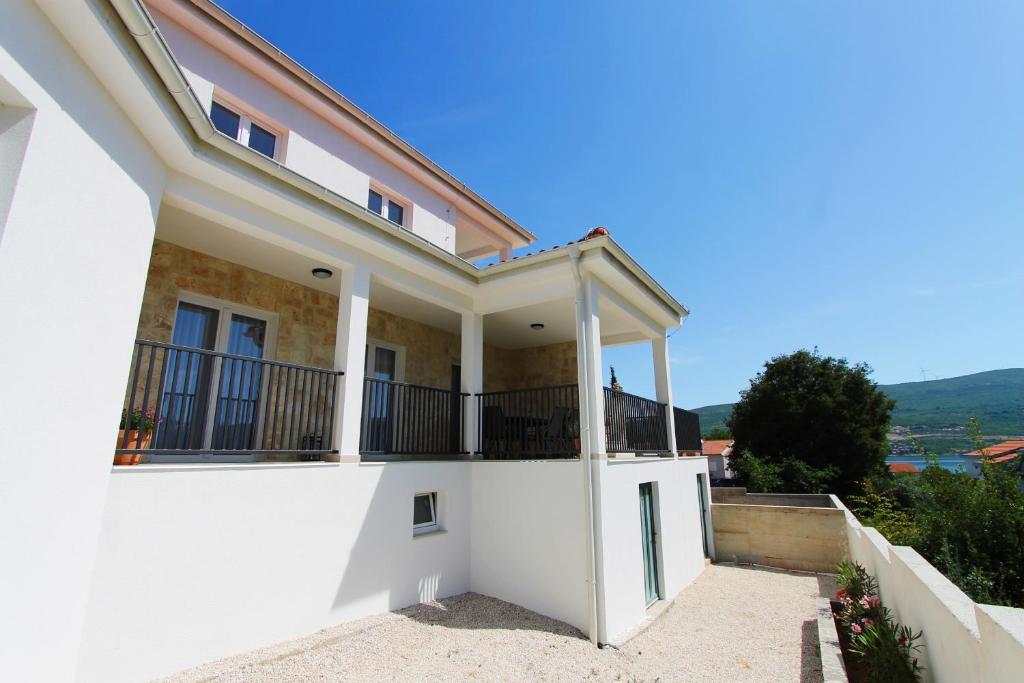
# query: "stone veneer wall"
{"type": "Point", "coordinates": [306, 317]}
{"type": "Point", "coordinates": [538, 366]}
{"type": "Point", "coordinates": [307, 320]}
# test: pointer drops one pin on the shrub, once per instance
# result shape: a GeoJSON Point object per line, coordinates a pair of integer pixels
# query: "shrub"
{"type": "Point", "coordinates": [886, 649]}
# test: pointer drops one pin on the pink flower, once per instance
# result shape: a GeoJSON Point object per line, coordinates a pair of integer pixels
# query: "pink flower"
{"type": "Point", "coordinates": [867, 623]}
{"type": "Point", "coordinates": [856, 628]}
{"type": "Point", "coordinates": [902, 640]}
{"type": "Point", "coordinates": [870, 602]}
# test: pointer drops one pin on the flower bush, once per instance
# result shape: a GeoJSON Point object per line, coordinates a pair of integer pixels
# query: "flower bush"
{"type": "Point", "coordinates": [886, 649]}
{"type": "Point", "coordinates": [138, 420]}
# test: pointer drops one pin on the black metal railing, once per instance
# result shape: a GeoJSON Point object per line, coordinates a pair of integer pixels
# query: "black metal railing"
{"type": "Point", "coordinates": [408, 420]}
{"type": "Point", "coordinates": [187, 401]}
{"type": "Point", "coordinates": [634, 424]}
{"type": "Point", "coordinates": [529, 423]}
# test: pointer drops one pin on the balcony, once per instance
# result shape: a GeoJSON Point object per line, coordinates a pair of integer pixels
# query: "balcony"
{"type": "Point", "coordinates": [187, 404]}
{"type": "Point", "coordinates": [407, 421]}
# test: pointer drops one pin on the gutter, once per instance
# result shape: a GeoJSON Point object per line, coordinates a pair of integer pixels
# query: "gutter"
{"type": "Point", "coordinates": [586, 456]}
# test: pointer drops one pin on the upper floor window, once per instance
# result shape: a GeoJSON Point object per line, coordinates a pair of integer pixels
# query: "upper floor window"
{"type": "Point", "coordinates": [381, 203]}
{"type": "Point", "coordinates": [242, 128]}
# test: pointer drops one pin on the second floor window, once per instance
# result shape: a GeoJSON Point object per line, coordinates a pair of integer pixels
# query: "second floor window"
{"type": "Point", "coordinates": [385, 206]}
{"type": "Point", "coordinates": [244, 129]}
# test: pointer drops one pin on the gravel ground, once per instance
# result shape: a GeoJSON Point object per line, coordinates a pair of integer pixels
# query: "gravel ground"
{"type": "Point", "coordinates": [732, 624]}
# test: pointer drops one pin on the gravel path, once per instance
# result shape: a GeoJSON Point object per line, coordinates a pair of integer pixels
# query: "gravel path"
{"type": "Point", "coordinates": [732, 624]}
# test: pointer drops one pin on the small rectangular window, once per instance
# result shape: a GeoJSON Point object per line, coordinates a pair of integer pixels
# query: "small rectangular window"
{"type": "Point", "coordinates": [424, 511]}
{"type": "Point", "coordinates": [262, 140]}
{"type": "Point", "coordinates": [225, 120]}
{"type": "Point", "coordinates": [396, 213]}
{"type": "Point", "coordinates": [375, 203]}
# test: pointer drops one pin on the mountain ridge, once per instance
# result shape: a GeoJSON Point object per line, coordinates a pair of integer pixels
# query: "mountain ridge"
{"type": "Point", "coordinates": [995, 397]}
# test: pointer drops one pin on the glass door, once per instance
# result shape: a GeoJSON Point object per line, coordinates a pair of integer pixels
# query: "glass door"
{"type": "Point", "coordinates": [648, 535]}
{"type": "Point", "coordinates": [236, 412]}
{"type": "Point", "coordinates": [185, 401]}
{"type": "Point", "coordinates": [380, 409]}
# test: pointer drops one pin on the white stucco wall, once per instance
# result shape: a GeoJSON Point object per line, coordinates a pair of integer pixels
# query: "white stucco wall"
{"type": "Point", "coordinates": [678, 523]}
{"type": "Point", "coordinates": [197, 563]}
{"type": "Point", "coordinates": [315, 148]}
{"type": "Point", "coordinates": [78, 224]}
{"type": "Point", "coordinates": [529, 536]}
{"type": "Point", "coordinates": [963, 642]}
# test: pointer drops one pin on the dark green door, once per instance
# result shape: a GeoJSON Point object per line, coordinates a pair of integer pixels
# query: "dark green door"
{"type": "Point", "coordinates": [650, 547]}
{"type": "Point", "coordinates": [703, 513]}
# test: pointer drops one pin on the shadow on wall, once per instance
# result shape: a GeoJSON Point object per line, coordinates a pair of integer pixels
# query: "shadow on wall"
{"type": "Point", "coordinates": [387, 567]}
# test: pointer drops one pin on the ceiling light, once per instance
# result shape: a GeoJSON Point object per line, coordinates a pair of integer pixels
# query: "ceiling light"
{"type": "Point", "coordinates": [536, 326]}
{"type": "Point", "coordinates": [322, 273]}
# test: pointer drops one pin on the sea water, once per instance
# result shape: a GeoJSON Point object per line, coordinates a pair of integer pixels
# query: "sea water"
{"type": "Point", "coordinates": [953, 463]}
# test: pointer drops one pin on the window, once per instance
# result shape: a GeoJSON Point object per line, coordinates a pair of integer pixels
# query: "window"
{"type": "Point", "coordinates": [424, 512]}
{"type": "Point", "coordinates": [225, 120]}
{"type": "Point", "coordinates": [375, 203]}
{"type": "Point", "coordinates": [378, 200]}
{"type": "Point", "coordinates": [241, 127]}
{"type": "Point", "coordinates": [395, 213]}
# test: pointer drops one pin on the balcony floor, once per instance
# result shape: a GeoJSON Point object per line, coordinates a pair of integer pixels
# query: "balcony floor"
{"type": "Point", "coordinates": [732, 624]}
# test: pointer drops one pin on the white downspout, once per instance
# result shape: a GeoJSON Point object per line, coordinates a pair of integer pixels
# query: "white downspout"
{"type": "Point", "coordinates": [585, 453]}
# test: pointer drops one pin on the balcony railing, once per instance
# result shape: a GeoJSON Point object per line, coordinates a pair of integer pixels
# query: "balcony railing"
{"type": "Point", "coordinates": [529, 423]}
{"type": "Point", "coordinates": [634, 424]}
{"type": "Point", "coordinates": [191, 401]}
{"type": "Point", "coordinates": [410, 420]}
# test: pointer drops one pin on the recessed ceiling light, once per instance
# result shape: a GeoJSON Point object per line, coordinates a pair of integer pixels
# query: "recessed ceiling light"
{"type": "Point", "coordinates": [322, 273]}
{"type": "Point", "coordinates": [536, 326]}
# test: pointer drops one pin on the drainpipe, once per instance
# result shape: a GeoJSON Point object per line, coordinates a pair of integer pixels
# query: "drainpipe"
{"type": "Point", "coordinates": [588, 484]}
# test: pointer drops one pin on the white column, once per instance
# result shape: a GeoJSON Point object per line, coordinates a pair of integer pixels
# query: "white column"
{"type": "Point", "coordinates": [350, 357]}
{"type": "Point", "coordinates": [663, 385]}
{"type": "Point", "coordinates": [472, 356]}
{"type": "Point", "coordinates": [595, 385]}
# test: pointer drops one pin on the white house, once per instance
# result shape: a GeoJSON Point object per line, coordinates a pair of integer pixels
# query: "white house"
{"type": "Point", "coordinates": [341, 414]}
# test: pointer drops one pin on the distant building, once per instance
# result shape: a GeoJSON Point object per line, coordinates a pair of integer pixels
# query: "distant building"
{"type": "Point", "coordinates": [903, 468]}
{"type": "Point", "coordinates": [718, 452]}
{"type": "Point", "coordinates": [1004, 452]}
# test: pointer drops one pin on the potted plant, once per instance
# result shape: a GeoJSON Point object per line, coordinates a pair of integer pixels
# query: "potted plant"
{"type": "Point", "coordinates": [136, 431]}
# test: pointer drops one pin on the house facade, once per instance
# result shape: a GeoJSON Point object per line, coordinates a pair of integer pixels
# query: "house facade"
{"type": "Point", "coordinates": [271, 313]}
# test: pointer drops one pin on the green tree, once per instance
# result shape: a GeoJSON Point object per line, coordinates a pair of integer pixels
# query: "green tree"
{"type": "Point", "coordinates": [718, 434]}
{"type": "Point", "coordinates": [819, 411]}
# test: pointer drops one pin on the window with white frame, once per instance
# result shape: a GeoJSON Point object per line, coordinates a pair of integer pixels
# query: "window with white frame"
{"type": "Point", "coordinates": [380, 202]}
{"type": "Point", "coordinates": [240, 126]}
{"type": "Point", "coordinates": [424, 512]}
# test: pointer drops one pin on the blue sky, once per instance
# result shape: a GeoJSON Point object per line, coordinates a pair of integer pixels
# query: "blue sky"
{"type": "Point", "coordinates": [841, 175]}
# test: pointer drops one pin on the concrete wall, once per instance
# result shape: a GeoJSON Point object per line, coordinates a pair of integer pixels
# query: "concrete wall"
{"type": "Point", "coordinates": [963, 641]}
{"type": "Point", "coordinates": [199, 562]}
{"type": "Point", "coordinates": [78, 203]}
{"type": "Point", "coordinates": [314, 147]}
{"type": "Point", "coordinates": [738, 494]}
{"type": "Point", "coordinates": [778, 530]}
{"type": "Point", "coordinates": [529, 536]}
{"type": "Point", "coordinates": [678, 523]}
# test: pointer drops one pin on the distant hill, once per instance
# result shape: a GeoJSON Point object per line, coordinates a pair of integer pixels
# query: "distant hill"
{"type": "Point", "coordinates": [940, 407]}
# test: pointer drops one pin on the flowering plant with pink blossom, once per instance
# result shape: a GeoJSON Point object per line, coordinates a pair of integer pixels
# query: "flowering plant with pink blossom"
{"type": "Point", "coordinates": [887, 649]}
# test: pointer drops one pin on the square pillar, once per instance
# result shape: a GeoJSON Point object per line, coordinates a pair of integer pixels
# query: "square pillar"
{"type": "Point", "coordinates": [472, 357]}
{"type": "Point", "coordinates": [591, 352]}
{"type": "Point", "coordinates": [350, 357]}
{"type": "Point", "coordinates": [663, 385]}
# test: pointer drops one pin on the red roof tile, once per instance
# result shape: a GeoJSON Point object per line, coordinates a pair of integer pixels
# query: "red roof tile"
{"type": "Point", "coordinates": [903, 468]}
{"type": "Point", "coordinates": [716, 446]}
{"type": "Point", "coordinates": [997, 449]}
